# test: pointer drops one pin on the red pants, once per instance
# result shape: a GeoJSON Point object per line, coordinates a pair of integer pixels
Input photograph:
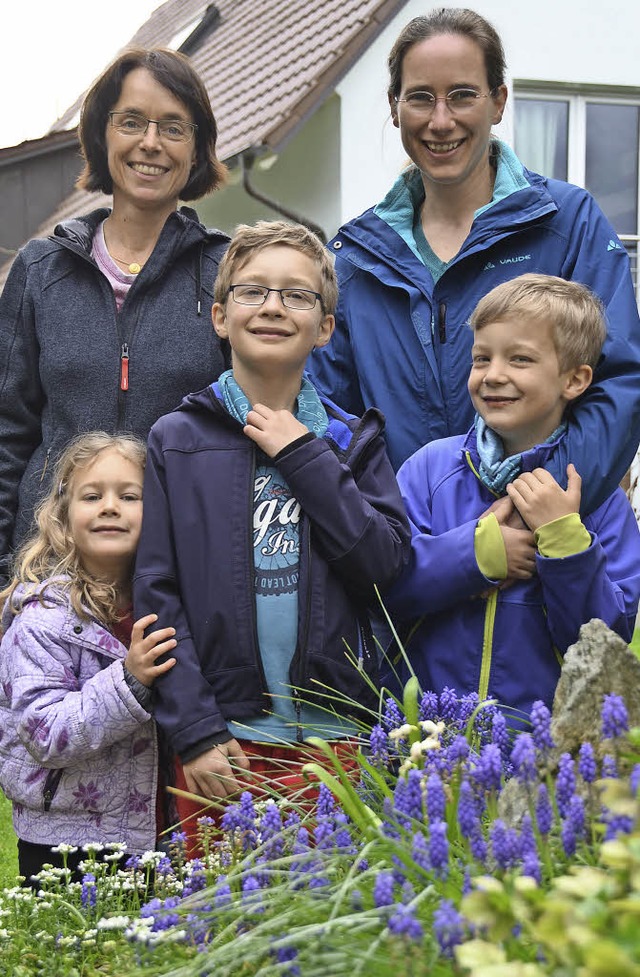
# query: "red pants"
{"type": "Point", "coordinates": [275, 771]}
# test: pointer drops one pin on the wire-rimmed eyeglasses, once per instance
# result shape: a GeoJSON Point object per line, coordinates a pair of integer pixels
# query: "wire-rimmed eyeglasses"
{"type": "Point", "coordinates": [457, 100]}
{"type": "Point", "coordinates": [292, 298]}
{"type": "Point", "coordinates": [133, 124]}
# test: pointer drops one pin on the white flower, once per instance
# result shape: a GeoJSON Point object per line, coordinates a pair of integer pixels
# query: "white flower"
{"type": "Point", "coordinates": [402, 732]}
{"type": "Point", "coordinates": [113, 922]}
{"type": "Point", "coordinates": [152, 858]}
{"type": "Point", "coordinates": [431, 728]}
{"type": "Point", "coordinates": [63, 849]}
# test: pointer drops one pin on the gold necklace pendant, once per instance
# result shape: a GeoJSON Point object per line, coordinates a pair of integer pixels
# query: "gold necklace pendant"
{"type": "Point", "coordinates": [133, 267]}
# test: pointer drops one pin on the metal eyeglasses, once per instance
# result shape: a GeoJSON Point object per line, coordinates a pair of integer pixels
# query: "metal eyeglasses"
{"type": "Point", "coordinates": [458, 100]}
{"type": "Point", "coordinates": [292, 298]}
{"type": "Point", "coordinates": [132, 124]}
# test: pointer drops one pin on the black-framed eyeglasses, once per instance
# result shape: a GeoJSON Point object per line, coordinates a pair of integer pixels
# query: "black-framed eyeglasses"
{"type": "Point", "coordinates": [133, 124]}
{"type": "Point", "coordinates": [292, 298]}
{"type": "Point", "coordinates": [457, 100]}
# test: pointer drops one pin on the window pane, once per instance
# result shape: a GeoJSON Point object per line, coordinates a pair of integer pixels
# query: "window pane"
{"type": "Point", "coordinates": [611, 172]}
{"type": "Point", "coordinates": [541, 135]}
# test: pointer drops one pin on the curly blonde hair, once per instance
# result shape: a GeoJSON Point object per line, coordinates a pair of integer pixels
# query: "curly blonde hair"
{"type": "Point", "coordinates": [50, 550]}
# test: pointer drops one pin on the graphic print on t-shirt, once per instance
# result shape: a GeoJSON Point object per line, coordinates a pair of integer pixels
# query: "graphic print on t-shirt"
{"type": "Point", "coordinates": [276, 540]}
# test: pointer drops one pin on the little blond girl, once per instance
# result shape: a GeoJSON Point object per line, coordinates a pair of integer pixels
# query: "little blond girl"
{"type": "Point", "coordinates": [78, 748]}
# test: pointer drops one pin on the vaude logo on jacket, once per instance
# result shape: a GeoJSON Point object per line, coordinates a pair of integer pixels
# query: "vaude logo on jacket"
{"type": "Point", "coordinates": [614, 246]}
{"type": "Point", "coordinates": [514, 260]}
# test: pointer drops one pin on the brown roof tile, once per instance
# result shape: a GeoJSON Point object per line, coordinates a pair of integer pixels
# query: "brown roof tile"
{"type": "Point", "coordinates": [267, 65]}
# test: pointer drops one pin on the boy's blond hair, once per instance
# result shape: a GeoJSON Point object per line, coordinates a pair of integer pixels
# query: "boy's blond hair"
{"type": "Point", "coordinates": [251, 238]}
{"type": "Point", "coordinates": [51, 551]}
{"type": "Point", "coordinates": [575, 314]}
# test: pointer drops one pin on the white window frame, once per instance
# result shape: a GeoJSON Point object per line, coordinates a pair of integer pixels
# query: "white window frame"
{"type": "Point", "coordinates": [578, 96]}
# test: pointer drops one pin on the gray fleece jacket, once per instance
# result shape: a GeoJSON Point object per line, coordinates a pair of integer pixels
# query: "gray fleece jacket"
{"type": "Point", "coordinates": [63, 344]}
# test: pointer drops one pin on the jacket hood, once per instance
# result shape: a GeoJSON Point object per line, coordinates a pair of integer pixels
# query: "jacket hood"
{"type": "Point", "coordinates": [80, 230]}
{"type": "Point", "coordinates": [77, 234]}
{"type": "Point", "coordinates": [536, 457]}
{"type": "Point", "coordinates": [30, 594]}
{"type": "Point", "coordinates": [344, 429]}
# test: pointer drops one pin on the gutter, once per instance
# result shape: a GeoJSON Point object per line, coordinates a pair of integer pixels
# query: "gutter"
{"type": "Point", "coordinates": [247, 159]}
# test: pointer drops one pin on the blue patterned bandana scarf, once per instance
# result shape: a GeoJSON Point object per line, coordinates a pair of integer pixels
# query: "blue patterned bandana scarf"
{"type": "Point", "coordinates": [496, 471]}
{"type": "Point", "coordinates": [309, 410]}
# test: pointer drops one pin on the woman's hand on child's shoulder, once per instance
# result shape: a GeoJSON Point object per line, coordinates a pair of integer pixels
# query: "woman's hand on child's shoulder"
{"type": "Point", "coordinates": [143, 652]}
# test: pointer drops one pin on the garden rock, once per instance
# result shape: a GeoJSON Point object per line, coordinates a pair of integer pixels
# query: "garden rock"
{"type": "Point", "coordinates": [598, 664]}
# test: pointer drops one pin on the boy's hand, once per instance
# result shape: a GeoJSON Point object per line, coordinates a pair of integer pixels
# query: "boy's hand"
{"type": "Point", "coordinates": [519, 544]}
{"type": "Point", "coordinates": [506, 513]}
{"type": "Point", "coordinates": [540, 499]}
{"type": "Point", "coordinates": [272, 430]}
{"type": "Point", "coordinates": [141, 657]}
{"type": "Point", "coordinates": [518, 541]}
{"type": "Point", "coordinates": [212, 774]}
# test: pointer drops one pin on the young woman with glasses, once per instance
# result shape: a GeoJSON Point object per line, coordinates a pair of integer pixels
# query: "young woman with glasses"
{"type": "Point", "coordinates": [106, 324]}
{"type": "Point", "coordinates": [463, 217]}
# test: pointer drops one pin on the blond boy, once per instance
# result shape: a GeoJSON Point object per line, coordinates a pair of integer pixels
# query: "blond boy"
{"type": "Point", "coordinates": [498, 599]}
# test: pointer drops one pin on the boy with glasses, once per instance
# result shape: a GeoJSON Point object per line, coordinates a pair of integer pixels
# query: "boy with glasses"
{"type": "Point", "coordinates": [270, 516]}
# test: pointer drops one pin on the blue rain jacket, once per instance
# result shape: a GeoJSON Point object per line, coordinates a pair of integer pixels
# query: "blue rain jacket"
{"type": "Point", "coordinates": [509, 643]}
{"type": "Point", "coordinates": [403, 344]}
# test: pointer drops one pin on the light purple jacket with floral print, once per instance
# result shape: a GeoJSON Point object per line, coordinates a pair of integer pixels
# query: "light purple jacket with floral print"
{"type": "Point", "coordinates": [78, 753]}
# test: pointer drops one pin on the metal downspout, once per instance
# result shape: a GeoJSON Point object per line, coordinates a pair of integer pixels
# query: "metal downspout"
{"type": "Point", "coordinates": [247, 159]}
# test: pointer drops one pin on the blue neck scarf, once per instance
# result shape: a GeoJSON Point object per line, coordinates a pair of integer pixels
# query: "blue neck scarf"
{"type": "Point", "coordinates": [308, 409]}
{"type": "Point", "coordinates": [496, 471]}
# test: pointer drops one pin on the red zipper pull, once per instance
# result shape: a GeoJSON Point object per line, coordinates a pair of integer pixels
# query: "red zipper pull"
{"type": "Point", "coordinates": [124, 367]}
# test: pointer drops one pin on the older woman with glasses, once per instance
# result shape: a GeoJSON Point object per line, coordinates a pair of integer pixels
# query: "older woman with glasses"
{"type": "Point", "coordinates": [107, 323]}
{"type": "Point", "coordinates": [463, 217]}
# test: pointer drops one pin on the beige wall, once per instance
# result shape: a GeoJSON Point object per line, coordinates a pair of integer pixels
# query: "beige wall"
{"type": "Point", "coordinates": [305, 177]}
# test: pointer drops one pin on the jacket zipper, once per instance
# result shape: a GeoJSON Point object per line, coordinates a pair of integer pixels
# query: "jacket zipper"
{"type": "Point", "coordinates": [442, 322]}
{"type": "Point", "coordinates": [254, 623]}
{"type": "Point", "coordinates": [50, 787]}
{"type": "Point", "coordinates": [487, 644]}
{"type": "Point", "coordinates": [302, 644]}
{"type": "Point", "coordinates": [124, 367]}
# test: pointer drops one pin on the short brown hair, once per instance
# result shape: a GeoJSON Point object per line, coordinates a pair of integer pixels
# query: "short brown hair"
{"type": "Point", "coordinates": [452, 20]}
{"type": "Point", "coordinates": [174, 72]}
{"type": "Point", "coordinates": [575, 314]}
{"type": "Point", "coordinates": [250, 238]}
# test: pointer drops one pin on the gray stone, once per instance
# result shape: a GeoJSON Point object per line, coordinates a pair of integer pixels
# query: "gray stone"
{"type": "Point", "coordinates": [598, 664]}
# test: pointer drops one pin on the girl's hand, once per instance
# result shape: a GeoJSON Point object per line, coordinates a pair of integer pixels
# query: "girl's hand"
{"type": "Point", "coordinates": [140, 660]}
